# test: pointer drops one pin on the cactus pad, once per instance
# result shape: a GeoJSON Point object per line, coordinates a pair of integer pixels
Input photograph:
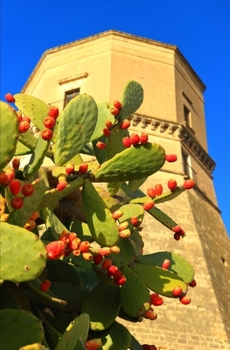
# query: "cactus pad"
{"type": "Point", "coordinates": [25, 328]}
{"type": "Point", "coordinates": [102, 305]}
{"type": "Point", "coordinates": [159, 280]}
{"type": "Point", "coordinates": [9, 133]}
{"type": "Point", "coordinates": [22, 254]}
{"type": "Point", "coordinates": [102, 226]}
{"type": "Point", "coordinates": [76, 126]}
{"type": "Point", "coordinates": [132, 163]}
{"type": "Point", "coordinates": [115, 337]}
{"type": "Point", "coordinates": [132, 99]}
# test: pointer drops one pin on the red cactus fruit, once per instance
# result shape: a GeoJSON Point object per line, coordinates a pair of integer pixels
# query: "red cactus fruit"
{"type": "Point", "coordinates": [106, 131]}
{"type": "Point", "coordinates": [69, 169]}
{"type": "Point", "coordinates": [100, 145]}
{"type": "Point", "coordinates": [166, 263]}
{"type": "Point", "coordinates": [114, 111]}
{"type": "Point", "coordinates": [15, 186]}
{"type": "Point", "coordinates": [193, 283]}
{"type": "Point", "coordinates": [151, 192]}
{"type": "Point", "coordinates": [115, 249]}
{"type": "Point", "coordinates": [45, 285]}
{"type": "Point", "coordinates": [97, 259]}
{"type": "Point", "coordinates": [27, 189]}
{"type": "Point", "coordinates": [184, 299]}
{"type": "Point", "coordinates": [4, 180]}
{"type": "Point", "coordinates": [171, 158]}
{"type": "Point", "coordinates": [144, 138]}
{"type": "Point", "coordinates": [112, 270]}
{"type": "Point", "coordinates": [108, 124]}
{"type": "Point", "coordinates": [134, 221]}
{"type": "Point", "coordinates": [106, 264]}
{"type": "Point", "coordinates": [17, 203]}
{"type": "Point", "coordinates": [30, 225]}
{"type": "Point", "coordinates": [93, 344]}
{"type": "Point", "coordinates": [26, 119]}
{"type": "Point", "coordinates": [135, 139]}
{"type": "Point", "coordinates": [156, 300]}
{"type": "Point", "coordinates": [74, 244]}
{"type": "Point", "coordinates": [158, 189]}
{"type": "Point", "coordinates": [125, 233]}
{"type": "Point", "coordinates": [49, 122]}
{"type": "Point", "coordinates": [188, 184]}
{"type": "Point", "coordinates": [87, 256]}
{"type": "Point", "coordinates": [84, 246]}
{"type": "Point", "coordinates": [123, 225]}
{"type": "Point", "coordinates": [149, 347]}
{"type": "Point", "coordinates": [148, 204]}
{"type": "Point", "coordinates": [176, 236]}
{"type": "Point", "coordinates": [150, 314]}
{"type": "Point", "coordinates": [117, 104]}
{"type": "Point", "coordinates": [176, 229]}
{"type": "Point", "coordinates": [126, 141]}
{"type": "Point", "coordinates": [119, 281]}
{"type": "Point", "coordinates": [83, 168]}
{"type": "Point", "coordinates": [47, 134]}
{"type": "Point", "coordinates": [172, 184]}
{"type": "Point", "coordinates": [9, 98]}
{"type": "Point", "coordinates": [53, 112]}
{"type": "Point", "coordinates": [16, 163]}
{"type": "Point", "coordinates": [23, 127]}
{"type": "Point", "coordinates": [55, 249]}
{"type": "Point", "coordinates": [176, 292]}
{"type": "Point", "coordinates": [104, 251]}
{"type": "Point", "coordinates": [61, 185]}
{"type": "Point", "coordinates": [117, 214]}
{"type": "Point", "coordinates": [125, 124]}
{"type": "Point", "coordinates": [10, 173]}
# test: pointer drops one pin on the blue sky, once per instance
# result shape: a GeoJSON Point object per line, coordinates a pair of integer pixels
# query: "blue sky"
{"type": "Point", "coordinates": [200, 28]}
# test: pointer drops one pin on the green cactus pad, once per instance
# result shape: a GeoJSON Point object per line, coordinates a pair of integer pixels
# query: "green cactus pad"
{"type": "Point", "coordinates": [28, 140]}
{"type": "Point", "coordinates": [132, 163]}
{"type": "Point", "coordinates": [134, 294]}
{"type": "Point", "coordinates": [135, 345]}
{"type": "Point", "coordinates": [74, 296]}
{"type": "Point", "coordinates": [25, 328]}
{"type": "Point", "coordinates": [21, 216]}
{"type": "Point", "coordinates": [116, 337]}
{"type": "Point", "coordinates": [113, 187]}
{"type": "Point", "coordinates": [163, 218]}
{"type": "Point", "coordinates": [102, 226]}
{"type": "Point", "coordinates": [77, 330]}
{"type": "Point", "coordinates": [51, 197]}
{"type": "Point", "coordinates": [60, 270]}
{"type": "Point", "coordinates": [168, 196]}
{"type": "Point", "coordinates": [126, 256]}
{"type": "Point", "coordinates": [9, 134]}
{"type": "Point", "coordinates": [32, 107]}
{"type": "Point", "coordinates": [37, 158]}
{"type": "Point", "coordinates": [76, 126]}
{"type": "Point", "coordinates": [102, 305]}
{"type": "Point", "coordinates": [115, 144]}
{"type": "Point", "coordinates": [132, 99]}
{"type": "Point", "coordinates": [104, 115]}
{"type": "Point", "coordinates": [178, 264]}
{"type": "Point", "coordinates": [130, 210]}
{"type": "Point", "coordinates": [22, 254]}
{"type": "Point", "coordinates": [159, 280]}
{"type": "Point", "coordinates": [22, 149]}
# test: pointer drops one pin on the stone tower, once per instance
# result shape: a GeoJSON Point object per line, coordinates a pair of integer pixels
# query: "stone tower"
{"type": "Point", "coordinates": [173, 116]}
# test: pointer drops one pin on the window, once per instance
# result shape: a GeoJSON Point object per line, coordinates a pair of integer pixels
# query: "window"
{"type": "Point", "coordinates": [187, 116]}
{"type": "Point", "coordinates": [71, 94]}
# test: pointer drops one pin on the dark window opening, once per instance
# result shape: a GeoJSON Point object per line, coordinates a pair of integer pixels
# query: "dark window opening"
{"type": "Point", "coordinates": [186, 167]}
{"type": "Point", "coordinates": [187, 116]}
{"type": "Point", "coordinates": [71, 94]}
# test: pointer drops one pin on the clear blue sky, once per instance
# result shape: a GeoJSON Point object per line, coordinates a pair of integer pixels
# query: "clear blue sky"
{"type": "Point", "coordinates": [200, 28]}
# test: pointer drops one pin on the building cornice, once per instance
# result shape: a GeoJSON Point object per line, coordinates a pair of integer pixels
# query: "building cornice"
{"type": "Point", "coordinates": [119, 34]}
{"type": "Point", "coordinates": [185, 135]}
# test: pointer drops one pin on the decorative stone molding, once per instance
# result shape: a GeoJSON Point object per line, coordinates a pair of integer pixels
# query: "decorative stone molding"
{"type": "Point", "coordinates": [72, 78]}
{"type": "Point", "coordinates": [176, 131]}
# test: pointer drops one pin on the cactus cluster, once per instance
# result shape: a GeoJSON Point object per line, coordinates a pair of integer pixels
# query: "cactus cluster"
{"type": "Point", "coordinates": [70, 283]}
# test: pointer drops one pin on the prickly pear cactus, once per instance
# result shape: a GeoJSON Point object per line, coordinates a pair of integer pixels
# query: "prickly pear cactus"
{"type": "Point", "coordinates": [70, 240]}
